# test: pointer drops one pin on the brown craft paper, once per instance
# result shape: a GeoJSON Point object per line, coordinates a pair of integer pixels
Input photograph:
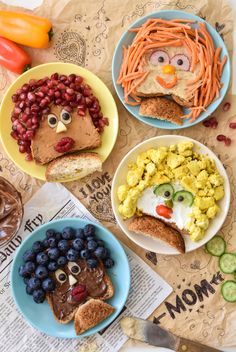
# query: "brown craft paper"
{"type": "Point", "coordinates": [86, 33]}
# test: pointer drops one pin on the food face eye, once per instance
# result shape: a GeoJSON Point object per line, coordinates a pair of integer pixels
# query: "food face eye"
{"type": "Point", "coordinates": [52, 120]}
{"type": "Point", "coordinates": [61, 276]}
{"type": "Point", "coordinates": [159, 57]}
{"type": "Point", "coordinates": [181, 62]}
{"type": "Point", "coordinates": [65, 117]}
{"type": "Point", "coordinates": [74, 268]}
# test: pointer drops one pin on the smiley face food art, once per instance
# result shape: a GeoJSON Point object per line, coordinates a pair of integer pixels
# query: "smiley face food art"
{"type": "Point", "coordinates": [171, 192]}
{"type": "Point", "coordinates": [171, 57]}
{"type": "Point", "coordinates": [68, 269]}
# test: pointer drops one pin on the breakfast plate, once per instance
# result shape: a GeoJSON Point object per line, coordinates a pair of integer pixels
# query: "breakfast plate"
{"type": "Point", "coordinates": [100, 90]}
{"type": "Point", "coordinates": [40, 316]}
{"type": "Point", "coordinates": [149, 243]}
{"type": "Point", "coordinates": [127, 39]}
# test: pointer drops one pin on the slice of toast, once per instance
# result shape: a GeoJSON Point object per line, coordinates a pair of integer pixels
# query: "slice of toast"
{"type": "Point", "coordinates": [153, 227]}
{"type": "Point", "coordinates": [161, 108]}
{"type": "Point", "coordinates": [73, 165]}
{"type": "Point", "coordinates": [90, 314]}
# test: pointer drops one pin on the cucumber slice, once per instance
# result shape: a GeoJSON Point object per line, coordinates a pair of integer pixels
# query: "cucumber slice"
{"type": "Point", "coordinates": [216, 246]}
{"type": "Point", "coordinates": [228, 263]}
{"type": "Point", "coordinates": [165, 190]}
{"type": "Point", "coordinates": [184, 197]}
{"type": "Point", "coordinates": [228, 290]}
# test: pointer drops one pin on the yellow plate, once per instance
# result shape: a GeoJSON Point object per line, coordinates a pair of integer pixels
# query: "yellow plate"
{"type": "Point", "coordinates": [100, 90]}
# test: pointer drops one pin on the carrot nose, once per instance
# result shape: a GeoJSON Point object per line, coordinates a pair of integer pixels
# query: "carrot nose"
{"type": "Point", "coordinates": [168, 69]}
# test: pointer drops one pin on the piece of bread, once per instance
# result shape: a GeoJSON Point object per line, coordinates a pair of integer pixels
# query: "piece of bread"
{"type": "Point", "coordinates": [76, 165]}
{"type": "Point", "coordinates": [90, 314]}
{"type": "Point", "coordinates": [153, 227]}
{"type": "Point", "coordinates": [162, 109]}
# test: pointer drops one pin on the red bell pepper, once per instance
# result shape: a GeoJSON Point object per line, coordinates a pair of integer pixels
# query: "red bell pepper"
{"type": "Point", "coordinates": [13, 57]}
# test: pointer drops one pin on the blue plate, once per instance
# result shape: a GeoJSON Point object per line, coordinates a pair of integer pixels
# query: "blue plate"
{"type": "Point", "coordinates": [40, 315]}
{"type": "Point", "coordinates": [126, 40]}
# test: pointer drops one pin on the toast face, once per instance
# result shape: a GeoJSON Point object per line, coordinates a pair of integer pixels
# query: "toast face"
{"type": "Point", "coordinates": [153, 227]}
{"type": "Point", "coordinates": [90, 314]}
{"type": "Point", "coordinates": [81, 130]}
{"type": "Point", "coordinates": [97, 282]}
{"type": "Point", "coordinates": [162, 109]}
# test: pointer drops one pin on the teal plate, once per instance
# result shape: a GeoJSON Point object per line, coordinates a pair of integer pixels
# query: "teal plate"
{"type": "Point", "coordinates": [126, 40]}
{"type": "Point", "coordinates": [40, 315]}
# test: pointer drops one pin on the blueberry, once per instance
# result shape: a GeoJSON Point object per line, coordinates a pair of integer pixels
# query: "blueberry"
{"type": "Point", "coordinates": [53, 253]}
{"type": "Point", "coordinates": [52, 266]}
{"type": "Point", "coordinates": [39, 295]}
{"type": "Point", "coordinates": [29, 267]}
{"type": "Point", "coordinates": [108, 262]}
{"type": "Point", "coordinates": [85, 254]}
{"type": "Point", "coordinates": [23, 272]}
{"type": "Point", "coordinates": [29, 290]}
{"type": "Point", "coordinates": [61, 261]}
{"type": "Point", "coordinates": [89, 230]}
{"type": "Point", "coordinates": [90, 238]}
{"type": "Point", "coordinates": [68, 233]}
{"type": "Point", "coordinates": [26, 280]}
{"type": "Point", "coordinates": [41, 272]}
{"type": "Point", "coordinates": [45, 243]}
{"type": "Point", "coordinates": [100, 252]}
{"type": "Point", "coordinates": [42, 258]}
{"type": "Point", "coordinates": [50, 233]}
{"type": "Point", "coordinates": [92, 245]}
{"type": "Point", "coordinates": [37, 247]}
{"type": "Point", "coordinates": [79, 233]}
{"type": "Point", "coordinates": [29, 255]}
{"type": "Point", "coordinates": [52, 242]}
{"type": "Point", "coordinates": [72, 255]}
{"type": "Point", "coordinates": [63, 245]}
{"type": "Point", "coordinates": [78, 244]}
{"type": "Point", "coordinates": [48, 285]}
{"type": "Point", "coordinates": [92, 263]}
{"type": "Point", "coordinates": [34, 283]}
{"type": "Point", "coordinates": [100, 243]}
{"type": "Point", "coordinates": [58, 236]}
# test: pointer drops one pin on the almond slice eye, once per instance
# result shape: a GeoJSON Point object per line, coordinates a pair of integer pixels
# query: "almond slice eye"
{"type": "Point", "coordinates": [74, 268]}
{"type": "Point", "coordinates": [65, 117]}
{"type": "Point", "coordinates": [61, 276]}
{"type": "Point", "coordinates": [52, 120]}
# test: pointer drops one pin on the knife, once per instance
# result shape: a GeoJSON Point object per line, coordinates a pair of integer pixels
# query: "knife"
{"type": "Point", "coordinates": [153, 334]}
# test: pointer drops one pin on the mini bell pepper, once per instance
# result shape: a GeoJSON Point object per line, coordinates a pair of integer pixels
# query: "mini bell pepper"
{"type": "Point", "coordinates": [13, 57]}
{"type": "Point", "coordinates": [25, 29]}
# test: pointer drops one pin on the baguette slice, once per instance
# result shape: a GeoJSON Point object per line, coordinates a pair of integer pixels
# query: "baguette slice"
{"type": "Point", "coordinates": [73, 165]}
{"type": "Point", "coordinates": [90, 314]}
{"type": "Point", "coordinates": [162, 109]}
{"type": "Point", "coordinates": [152, 227]}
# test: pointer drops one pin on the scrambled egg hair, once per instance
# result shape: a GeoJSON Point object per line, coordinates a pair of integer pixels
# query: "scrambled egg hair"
{"type": "Point", "coordinates": [196, 172]}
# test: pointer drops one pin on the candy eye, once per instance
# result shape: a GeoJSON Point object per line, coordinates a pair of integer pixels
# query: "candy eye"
{"type": "Point", "coordinates": [65, 117]}
{"type": "Point", "coordinates": [159, 57]}
{"type": "Point", "coordinates": [61, 276]}
{"type": "Point", "coordinates": [181, 62]}
{"type": "Point", "coordinates": [74, 268]}
{"type": "Point", "coordinates": [52, 120]}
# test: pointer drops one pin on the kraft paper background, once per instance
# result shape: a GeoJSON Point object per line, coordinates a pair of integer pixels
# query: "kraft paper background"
{"type": "Point", "coordinates": [86, 34]}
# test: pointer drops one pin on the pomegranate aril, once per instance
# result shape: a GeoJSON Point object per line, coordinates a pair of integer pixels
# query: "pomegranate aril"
{"type": "Point", "coordinates": [226, 106]}
{"type": "Point", "coordinates": [54, 76]}
{"type": "Point", "coordinates": [22, 104]}
{"type": "Point", "coordinates": [22, 148]}
{"type": "Point", "coordinates": [44, 89]}
{"type": "Point", "coordinates": [57, 94]}
{"type": "Point", "coordinates": [78, 97]}
{"type": "Point", "coordinates": [106, 121]}
{"type": "Point", "coordinates": [72, 86]}
{"type": "Point", "coordinates": [46, 110]}
{"type": "Point", "coordinates": [227, 141]}
{"type": "Point", "coordinates": [29, 134]}
{"type": "Point", "coordinates": [86, 92]}
{"type": "Point", "coordinates": [19, 91]}
{"type": "Point", "coordinates": [72, 77]}
{"type": "Point", "coordinates": [22, 96]}
{"type": "Point", "coordinates": [78, 79]}
{"type": "Point", "coordinates": [31, 96]}
{"type": "Point", "coordinates": [221, 137]}
{"type": "Point", "coordinates": [29, 157]}
{"type": "Point", "coordinates": [14, 135]}
{"type": "Point", "coordinates": [32, 82]}
{"type": "Point", "coordinates": [232, 125]}
{"type": "Point", "coordinates": [81, 112]}
{"type": "Point", "coordinates": [28, 124]}
{"type": "Point", "coordinates": [70, 91]}
{"type": "Point", "coordinates": [214, 124]}
{"type": "Point", "coordinates": [73, 104]}
{"type": "Point", "coordinates": [61, 86]}
{"type": "Point", "coordinates": [68, 108]}
{"type": "Point", "coordinates": [35, 108]}
{"type": "Point", "coordinates": [24, 117]}
{"type": "Point", "coordinates": [51, 92]}
{"type": "Point", "coordinates": [49, 84]}
{"type": "Point", "coordinates": [25, 87]}
{"type": "Point", "coordinates": [39, 94]}
{"type": "Point", "coordinates": [58, 101]}
{"type": "Point", "coordinates": [62, 78]}
{"type": "Point", "coordinates": [14, 98]}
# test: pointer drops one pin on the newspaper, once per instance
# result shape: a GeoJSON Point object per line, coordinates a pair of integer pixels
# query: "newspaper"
{"type": "Point", "coordinates": [148, 289]}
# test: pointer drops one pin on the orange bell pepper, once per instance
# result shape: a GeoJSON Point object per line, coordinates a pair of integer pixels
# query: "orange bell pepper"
{"type": "Point", "coordinates": [13, 57]}
{"type": "Point", "coordinates": [25, 29]}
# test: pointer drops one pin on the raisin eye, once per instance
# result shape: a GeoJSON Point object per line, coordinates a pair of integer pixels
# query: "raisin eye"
{"type": "Point", "coordinates": [61, 276]}
{"type": "Point", "coordinates": [74, 268]}
{"type": "Point", "coordinates": [52, 120]}
{"type": "Point", "coordinates": [65, 117]}
{"type": "Point", "coordinates": [160, 59]}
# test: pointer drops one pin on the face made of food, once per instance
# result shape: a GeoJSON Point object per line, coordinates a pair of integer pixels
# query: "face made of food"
{"type": "Point", "coordinates": [74, 282]}
{"type": "Point", "coordinates": [62, 132]}
{"type": "Point", "coordinates": [169, 71]}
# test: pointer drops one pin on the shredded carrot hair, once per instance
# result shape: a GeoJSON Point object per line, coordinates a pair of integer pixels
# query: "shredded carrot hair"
{"type": "Point", "coordinates": [156, 33]}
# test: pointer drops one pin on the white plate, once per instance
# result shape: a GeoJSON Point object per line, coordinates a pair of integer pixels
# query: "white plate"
{"type": "Point", "coordinates": [120, 178]}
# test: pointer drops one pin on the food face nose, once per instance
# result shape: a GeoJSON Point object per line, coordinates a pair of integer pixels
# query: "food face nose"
{"type": "Point", "coordinates": [61, 127]}
{"type": "Point", "coordinates": [168, 69]}
{"type": "Point", "coordinates": [72, 280]}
